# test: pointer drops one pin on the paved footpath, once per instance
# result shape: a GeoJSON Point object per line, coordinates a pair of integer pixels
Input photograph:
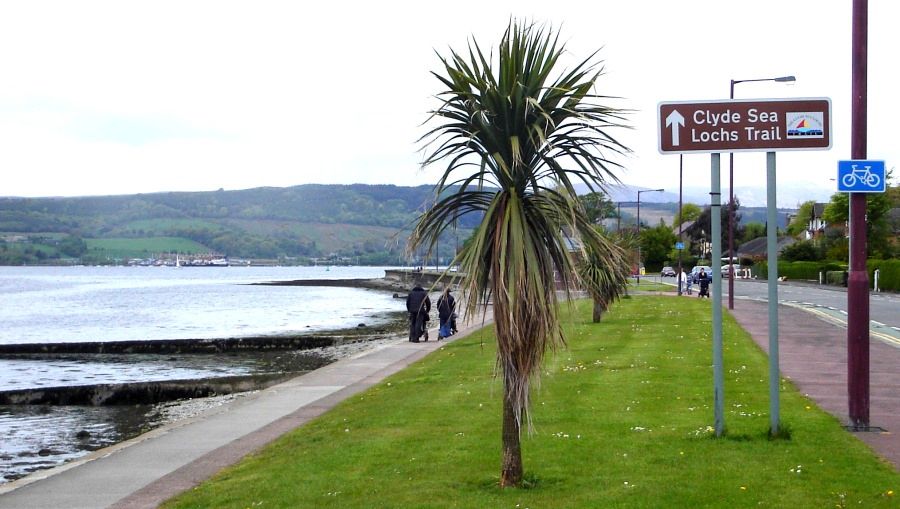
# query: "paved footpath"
{"type": "Point", "coordinates": [144, 472]}
{"type": "Point", "coordinates": [813, 355]}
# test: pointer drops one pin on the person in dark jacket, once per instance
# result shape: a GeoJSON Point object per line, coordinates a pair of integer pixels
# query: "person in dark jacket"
{"type": "Point", "coordinates": [703, 279]}
{"type": "Point", "coordinates": [446, 306]}
{"type": "Point", "coordinates": [418, 305]}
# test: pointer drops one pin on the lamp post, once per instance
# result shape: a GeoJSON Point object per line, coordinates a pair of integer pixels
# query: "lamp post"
{"type": "Point", "coordinates": [640, 261]}
{"type": "Point", "coordinates": [780, 79]}
{"type": "Point", "coordinates": [680, 275]}
{"type": "Point", "coordinates": [618, 216]}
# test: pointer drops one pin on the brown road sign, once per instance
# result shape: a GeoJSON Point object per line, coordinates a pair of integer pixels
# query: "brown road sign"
{"type": "Point", "coordinates": [761, 125]}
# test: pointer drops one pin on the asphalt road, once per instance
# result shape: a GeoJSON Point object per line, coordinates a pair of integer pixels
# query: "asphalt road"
{"type": "Point", "coordinates": [884, 308]}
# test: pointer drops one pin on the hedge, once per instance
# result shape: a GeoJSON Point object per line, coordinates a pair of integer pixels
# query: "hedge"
{"type": "Point", "coordinates": [836, 278]}
{"type": "Point", "coordinates": [798, 270]}
{"type": "Point", "coordinates": [888, 275]}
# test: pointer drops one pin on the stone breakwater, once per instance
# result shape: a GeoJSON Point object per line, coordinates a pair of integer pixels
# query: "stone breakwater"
{"type": "Point", "coordinates": [80, 397]}
{"type": "Point", "coordinates": [399, 281]}
{"type": "Point", "coordinates": [320, 349]}
{"type": "Point", "coordinates": [142, 393]}
{"type": "Point", "coordinates": [174, 346]}
{"type": "Point", "coordinates": [275, 359]}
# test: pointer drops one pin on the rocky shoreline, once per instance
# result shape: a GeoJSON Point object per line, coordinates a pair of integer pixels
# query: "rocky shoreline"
{"type": "Point", "coordinates": [399, 281]}
{"type": "Point", "coordinates": [279, 358]}
{"type": "Point", "coordinates": [53, 425]}
{"type": "Point", "coordinates": [102, 393]}
{"type": "Point", "coordinates": [385, 284]}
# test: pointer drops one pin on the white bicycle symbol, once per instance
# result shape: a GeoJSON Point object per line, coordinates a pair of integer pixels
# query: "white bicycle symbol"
{"type": "Point", "coordinates": [863, 175]}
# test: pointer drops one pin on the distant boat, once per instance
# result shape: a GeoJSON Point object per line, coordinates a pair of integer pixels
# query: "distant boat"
{"type": "Point", "coordinates": [215, 262]}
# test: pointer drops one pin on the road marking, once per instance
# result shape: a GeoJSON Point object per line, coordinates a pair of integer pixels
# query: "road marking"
{"type": "Point", "coordinates": [886, 335]}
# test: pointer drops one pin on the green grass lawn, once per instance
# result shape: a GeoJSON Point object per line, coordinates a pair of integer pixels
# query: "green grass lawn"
{"type": "Point", "coordinates": [622, 418]}
{"type": "Point", "coordinates": [647, 285]}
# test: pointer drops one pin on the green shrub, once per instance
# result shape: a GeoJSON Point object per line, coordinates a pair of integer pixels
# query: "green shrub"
{"type": "Point", "coordinates": [799, 270]}
{"type": "Point", "coordinates": [888, 275]}
{"type": "Point", "coordinates": [836, 277]}
{"type": "Point", "coordinates": [805, 250]}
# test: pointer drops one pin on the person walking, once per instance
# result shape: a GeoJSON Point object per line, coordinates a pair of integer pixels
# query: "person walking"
{"type": "Point", "coordinates": [689, 284]}
{"type": "Point", "coordinates": [703, 279]}
{"type": "Point", "coordinates": [418, 305]}
{"type": "Point", "coordinates": [680, 279]}
{"type": "Point", "coordinates": [446, 306]}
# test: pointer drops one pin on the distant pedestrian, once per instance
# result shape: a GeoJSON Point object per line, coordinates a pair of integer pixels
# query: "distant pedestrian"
{"type": "Point", "coordinates": [446, 306]}
{"type": "Point", "coordinates": [703, 279]}
{"type": "Point", "coordinates": [680, 280]}
{"type": "Point", "coordinates": [418, 305]}
{"type": "Point", "coordinates": [690, 283]}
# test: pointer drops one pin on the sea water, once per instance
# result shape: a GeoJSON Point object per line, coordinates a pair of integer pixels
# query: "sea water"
{"type": "Point", "coordinates": [74, 304]}
{"type": "Point", "coordinates": [79, 304]}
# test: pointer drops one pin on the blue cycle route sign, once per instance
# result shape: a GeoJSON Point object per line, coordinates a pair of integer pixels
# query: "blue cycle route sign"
{"type": "Point", "coordinates": [860, 176]}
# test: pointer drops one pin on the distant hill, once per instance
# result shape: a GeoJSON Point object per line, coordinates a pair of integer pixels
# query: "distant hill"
{"type": "Point", "coordinates": [358, 223]}
{"type": "Point", "coordinates": [367, 223]}
{"type": "Point", "coordinates": [652, 213]}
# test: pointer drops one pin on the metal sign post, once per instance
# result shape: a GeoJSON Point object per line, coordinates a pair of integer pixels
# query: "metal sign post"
{"type": "Point", "coordinates": [772, 260]}
{"type": "Point", "coordinates": [715, 197]}
{"type": "Point", "coordinates": [744, 125]}
{"type": "Point", "coordinates": [735, 126]}
{"type": "Point", "coordinates": [858, 276]}
{"type": "Point", "coordinates": [859, 177]}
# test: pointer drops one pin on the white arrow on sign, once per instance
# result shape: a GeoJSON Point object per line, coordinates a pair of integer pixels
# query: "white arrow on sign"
{"type": "Point", "coordinates": [674, 119]}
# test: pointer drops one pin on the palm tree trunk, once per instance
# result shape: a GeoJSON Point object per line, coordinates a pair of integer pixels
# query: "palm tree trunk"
{"type": "Point", "coordinates": [598, 310]}
{"type": "Point", "coordinates": [511, 469]}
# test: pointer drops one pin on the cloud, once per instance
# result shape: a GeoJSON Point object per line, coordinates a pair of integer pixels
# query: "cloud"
{"type": "Point", "coordinates": [230, 94]}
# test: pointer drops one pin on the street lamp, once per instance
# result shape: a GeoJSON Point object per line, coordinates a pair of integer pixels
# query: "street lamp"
{"type": "Point", "coordinates": [680, 275]}
{"type": "Point", "coordinates": [639, 203]}
{"type": "Point", "coordinates": [640, 261]}
{"type": "Point", "coordinates": [780, 79]}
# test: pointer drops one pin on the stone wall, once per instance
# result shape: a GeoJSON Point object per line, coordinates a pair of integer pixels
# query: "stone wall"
{"type": "Point", "coordinates": [424, 278]}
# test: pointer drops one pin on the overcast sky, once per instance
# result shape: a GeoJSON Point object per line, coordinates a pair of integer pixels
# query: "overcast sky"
{"type": "Point", "coordinates": [129, 97]}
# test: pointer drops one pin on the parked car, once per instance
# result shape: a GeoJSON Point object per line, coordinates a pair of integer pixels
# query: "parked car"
{"type": "Point", "coordinates": [667, 272]}
{"type": "Point", "coordinates": [737, 269]}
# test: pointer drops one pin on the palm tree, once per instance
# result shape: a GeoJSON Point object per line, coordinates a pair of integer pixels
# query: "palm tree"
{"type": "Point", "coordinates": [505, 130]}
{"type": "Point", "coordinates": [604, 270]}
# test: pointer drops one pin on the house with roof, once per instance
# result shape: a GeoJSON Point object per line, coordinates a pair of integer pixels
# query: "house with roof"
{"type": "Point", "coordinates": [756, 249]}
{"type": "Point", "coordinates": [815, 224]}
{"type": "Point", "coordinates": [815, 227]}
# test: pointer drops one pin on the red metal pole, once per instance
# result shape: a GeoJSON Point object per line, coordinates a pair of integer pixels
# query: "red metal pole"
{"type": "Point", "coordinates": [731, 221]}
{"type": "Point", "coordinates": [858, 280]}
